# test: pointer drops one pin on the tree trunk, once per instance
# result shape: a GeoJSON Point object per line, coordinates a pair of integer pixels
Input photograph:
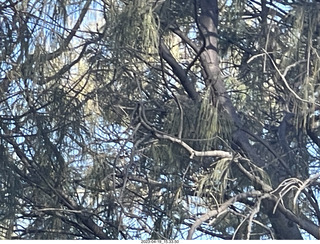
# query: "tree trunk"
{"type": "Point", "coordinates": [284, 228]}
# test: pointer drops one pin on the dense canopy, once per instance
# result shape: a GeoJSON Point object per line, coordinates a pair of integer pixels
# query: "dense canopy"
{"type": "Point", "coordinates": [159, 119]}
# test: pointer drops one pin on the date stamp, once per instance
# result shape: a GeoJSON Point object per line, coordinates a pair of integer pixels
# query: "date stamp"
{"type": "Point", "coordinates": [160, 241]}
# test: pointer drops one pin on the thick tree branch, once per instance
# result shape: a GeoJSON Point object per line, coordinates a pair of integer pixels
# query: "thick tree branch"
{"type": "Point", "coordinates": [305, 224]}
{"type": "Point", "coordinates": [313, 136]}
{"type": "Point", "coordinates": [179, 72]}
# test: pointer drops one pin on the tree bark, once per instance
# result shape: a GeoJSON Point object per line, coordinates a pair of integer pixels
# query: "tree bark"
{"type": "Point", "coordinates": [284, 228]}
{"type": "Point", "coordinates": [209, 58]}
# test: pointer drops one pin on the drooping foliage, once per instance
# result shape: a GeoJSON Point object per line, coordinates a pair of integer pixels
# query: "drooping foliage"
{"type": "Point", "coordinates": [166, 119]}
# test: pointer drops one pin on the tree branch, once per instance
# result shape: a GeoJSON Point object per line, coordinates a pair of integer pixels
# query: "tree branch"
{"type": "Point", "coordinates": [161, 135]}
{"type": "Point", "coordinates": [265, 187]}
{"type": "Point", "coordinates": [307, 225]}
{"type": "Point", "coordinates": [221, 208]}
{"type": "Point", "coordinates": [179, 72]}
{"type": "Point", "coordinates": [283, 78]}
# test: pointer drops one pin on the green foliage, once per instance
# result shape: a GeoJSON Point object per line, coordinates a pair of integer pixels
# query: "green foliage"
{"type": "Point", "coordinates": [100, 139]}
{"type": "Point", "coordinates": [136, 27]}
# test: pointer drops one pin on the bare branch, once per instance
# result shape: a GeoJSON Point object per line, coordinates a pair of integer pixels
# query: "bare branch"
{"type": "Point", "coordinates": [305, 224]}
{"type": "Point", "coordinates": [265, 187]}
{"type": "Point", "coordinates": [161, 135]}
{"type": "Point", "coordinates": [303, 186]}
{"type": "Point", "coordinates": [221, 208]}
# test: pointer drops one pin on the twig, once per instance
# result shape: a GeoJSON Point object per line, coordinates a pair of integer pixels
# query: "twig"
{"type": "Point", "coordinates": [238, 227]}
{"type": "Point", "coordinates": [255, 210]}
{"type": "Point", "coordinates": [265, 187]}
{"type": "Point", "coordinates": [256, 221]}
{"type": "Point", "coordinates": [161, 135]}
{"type": "Point", "coordinates": [304, 185]}
{"type": "Point", "coordinates": [286, 83]}
{"type": "Point", "coordinates": [286, 186]}
{"type": "Point", "coordinates": [219, 210]}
